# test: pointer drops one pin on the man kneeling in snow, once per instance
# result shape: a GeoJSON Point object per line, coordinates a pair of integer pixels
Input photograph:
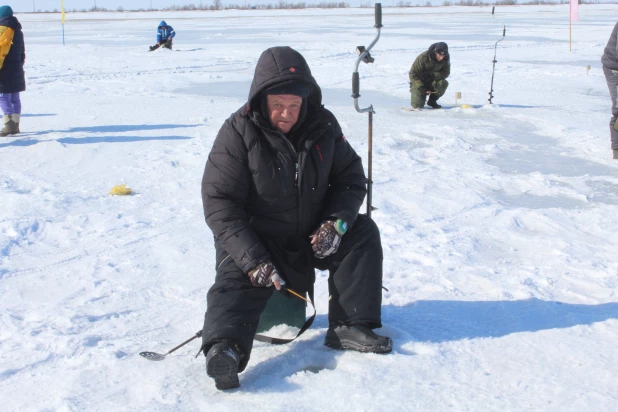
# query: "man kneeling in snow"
{"type": "Point", "coordinates": [165, 34]}
{"type": "Point", "coordinates": [281, 192]}
{"type": "Point", "coordinates": [428, 76]}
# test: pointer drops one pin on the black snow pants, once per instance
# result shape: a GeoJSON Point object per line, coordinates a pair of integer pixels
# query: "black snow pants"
{"type": "Point", "coordinates": [355, 285]}
{"type": "Point", "coordinates": [612, 83]}
{"type": "Point", "coordinates": [166, 45]}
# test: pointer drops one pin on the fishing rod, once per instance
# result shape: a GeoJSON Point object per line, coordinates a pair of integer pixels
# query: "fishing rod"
{"type": "Point", "coordinates": [491, 88]}
{"type": "Point", "coordinates": [365, 57]}
{"type": "Point", "coordinates": [154, 356]}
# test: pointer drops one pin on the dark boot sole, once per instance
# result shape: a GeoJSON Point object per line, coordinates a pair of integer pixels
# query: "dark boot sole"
{"type": "Point", "coordinates": [224, 370]}
{"type": "Point", "coordinates": [344, 344]}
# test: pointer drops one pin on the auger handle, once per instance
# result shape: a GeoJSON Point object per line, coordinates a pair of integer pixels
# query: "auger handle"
{"type": "Point", "coordinates": [378, 14]}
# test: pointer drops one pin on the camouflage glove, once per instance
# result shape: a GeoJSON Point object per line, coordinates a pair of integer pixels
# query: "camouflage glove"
{"type": "Point", "coordinates": [326, 239]}
{"type": "Point", "coordinates": [264, 274]}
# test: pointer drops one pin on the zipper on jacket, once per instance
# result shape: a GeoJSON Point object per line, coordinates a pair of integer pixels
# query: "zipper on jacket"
{"type": "Point", "coordinates": [297, 154]}
{"type": "Point", "coordinates": [223, 261]}
{"type": "Point", "coordinates": [318, 171]}
{"type": "Point", "coordinates": [307, 152]}
{"type": "Point", "coordinates": [280, 171]}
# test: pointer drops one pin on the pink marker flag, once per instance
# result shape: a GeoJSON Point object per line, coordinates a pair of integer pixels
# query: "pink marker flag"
{"type": "Point", "coordinates": [574, 10]}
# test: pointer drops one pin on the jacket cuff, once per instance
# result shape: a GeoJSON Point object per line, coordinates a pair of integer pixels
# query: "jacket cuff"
{"type": "Point", "coordinates": [348, 217]}
{"type": "Point", "coordinates": [253, 257]}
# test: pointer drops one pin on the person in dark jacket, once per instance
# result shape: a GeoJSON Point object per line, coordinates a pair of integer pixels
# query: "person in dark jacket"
{"type": "Point", "coordinates": [610, 69]}
{"type": "Point", "coordinates": [12, 78]}
{"type": "Point", "coordinates": [281, 192]}
{"type": "Point", "coordinates": [165, 34]}
{"type": "Point", "coordinates": [428, 76]}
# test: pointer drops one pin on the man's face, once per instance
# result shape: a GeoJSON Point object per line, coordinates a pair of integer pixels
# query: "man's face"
{"type": "Point", "coordinates": [283, 110]}
{"type": "Point", "coordinates": [439, 57]}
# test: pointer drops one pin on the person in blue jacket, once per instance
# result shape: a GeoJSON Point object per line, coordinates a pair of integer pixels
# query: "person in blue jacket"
{"type": "Point", "coordinates": [12, 78]}
{"type": "Point", "coordinates": [165, 34]}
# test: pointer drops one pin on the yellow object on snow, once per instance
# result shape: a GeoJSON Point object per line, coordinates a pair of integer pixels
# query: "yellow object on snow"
{"type": "Point", "coordinates": [120, 190]}
{"type": "Point", "coordinates": [466, 106]}
{"type": "Point", "coordinates": [6, 40]}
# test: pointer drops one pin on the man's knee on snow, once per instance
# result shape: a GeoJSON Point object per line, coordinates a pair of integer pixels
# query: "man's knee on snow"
{"type": "Point", "coordinates": [418, 95]}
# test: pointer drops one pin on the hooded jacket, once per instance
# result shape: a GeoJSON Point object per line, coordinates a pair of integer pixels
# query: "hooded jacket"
{"type": "Point", "coordinates": [610, 56]}
{"type": "Point", "coordinates": [12, 77]}
{"type": "Point", "coordinates": [258, 184]}
{"type": "Point", "coordinates": [165, 32]}
{"type": "Point", "coordinates": [426, 63]}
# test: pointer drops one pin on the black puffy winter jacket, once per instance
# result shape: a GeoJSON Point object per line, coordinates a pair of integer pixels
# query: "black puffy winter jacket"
{"type": "Point", "coordinates": [12, 78]}
{"type": "Point", "coordinates": [257, 183]}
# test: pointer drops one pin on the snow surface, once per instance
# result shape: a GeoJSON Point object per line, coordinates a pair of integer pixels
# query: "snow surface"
{"type": "Point", "coordinates": [499, 223]}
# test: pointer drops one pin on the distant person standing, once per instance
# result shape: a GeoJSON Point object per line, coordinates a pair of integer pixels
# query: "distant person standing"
{"type": "Point", "coordinates": [165, 34]}
{"type": "Point", "coordinates": [12, 78]}
{"type": "Point", "coordinates": [428, 76]}
{"type": "Point", "coordinates": [610, 69]}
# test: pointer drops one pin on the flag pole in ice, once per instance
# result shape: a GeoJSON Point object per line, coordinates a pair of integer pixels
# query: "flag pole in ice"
{"type": "Point", "coordinates": [62, 12]}
{"type": "Point", "coordinates": [573, 17]}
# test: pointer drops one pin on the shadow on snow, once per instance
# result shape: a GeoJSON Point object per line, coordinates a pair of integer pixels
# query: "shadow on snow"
{"type": "Point", "coordinates": [120, 128]}
{"type": "Point", "coordinates": [431, 321]}
{"type": "Point", "coordinates": [22, 141]}
{"type": "Point", "coordinates": [444, 321]}
{"type": "Point", "coordinates": [98, 139]}
{"type": "Point", "coordinates": [116, 139]}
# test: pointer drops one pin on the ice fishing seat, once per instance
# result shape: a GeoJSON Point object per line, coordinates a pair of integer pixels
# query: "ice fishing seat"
{"type": "Point", "coordinates": [280, 310]}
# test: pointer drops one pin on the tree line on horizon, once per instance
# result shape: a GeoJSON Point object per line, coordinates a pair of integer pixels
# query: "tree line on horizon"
{"type": "Point", "coordinates": [281, 4]}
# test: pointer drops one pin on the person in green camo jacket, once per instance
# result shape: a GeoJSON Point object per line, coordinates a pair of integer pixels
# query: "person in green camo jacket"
{"type": "Point", "coordinates": [428, 76]}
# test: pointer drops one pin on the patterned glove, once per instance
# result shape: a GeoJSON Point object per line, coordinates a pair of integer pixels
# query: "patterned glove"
{"type": "Point", "coordinates": [264, 275]}
{"type": "Point", "coordinates": [327, 237]}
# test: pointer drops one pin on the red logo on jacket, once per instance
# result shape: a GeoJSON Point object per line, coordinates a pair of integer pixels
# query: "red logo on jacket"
{"type": "Point", "coordinates": [319, 152]}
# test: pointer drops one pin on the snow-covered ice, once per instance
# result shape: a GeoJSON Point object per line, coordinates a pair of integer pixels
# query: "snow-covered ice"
{"type": "Point", "coordinates": [499, 222]}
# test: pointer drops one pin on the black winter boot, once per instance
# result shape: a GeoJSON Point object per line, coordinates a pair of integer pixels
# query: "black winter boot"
{"type": "Point", "coordinates": [11, 124]}
{"type": "Point", "coordinates": [358, 337]}
{"type": "Point", "coordinates": [433, 102]}
{"type": "Point", "coordinates": [222, 363]}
